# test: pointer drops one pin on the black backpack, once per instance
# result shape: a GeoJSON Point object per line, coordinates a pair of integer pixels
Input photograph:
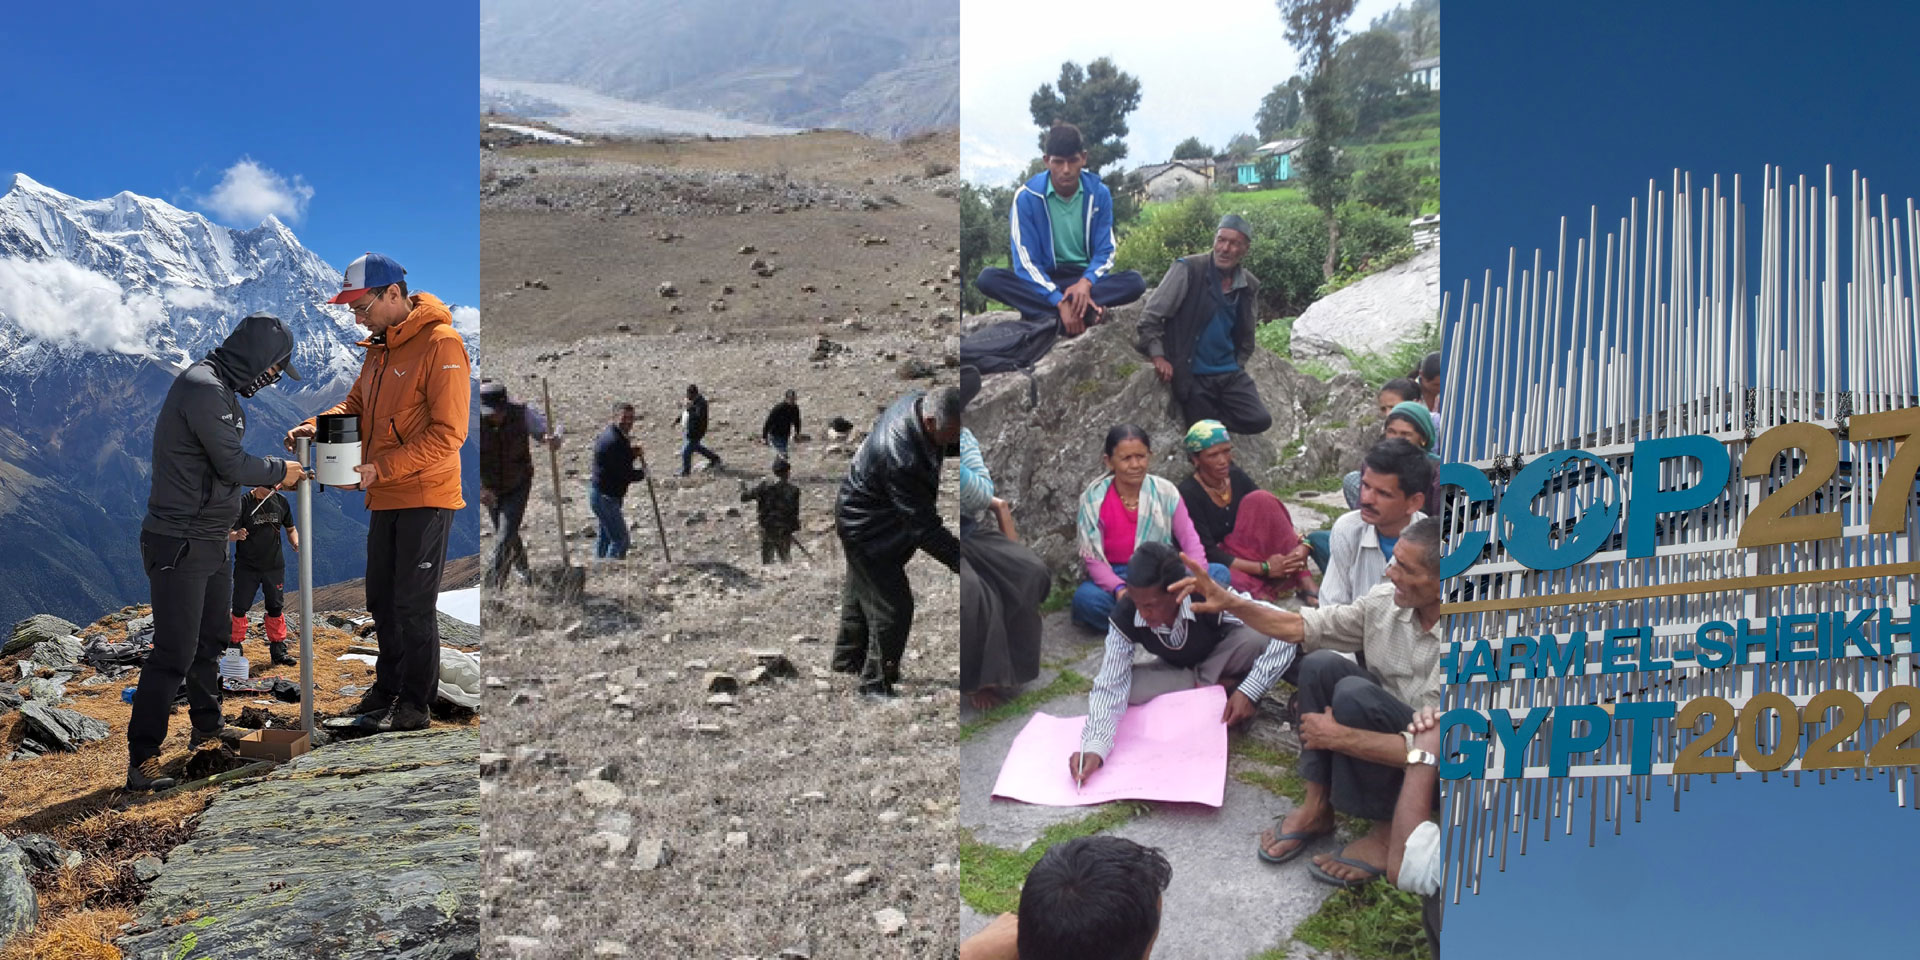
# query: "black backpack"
{"type": "Point", "coordinates": [1013, 346]}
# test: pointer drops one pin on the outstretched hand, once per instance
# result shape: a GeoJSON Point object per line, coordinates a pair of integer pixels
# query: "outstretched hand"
{"type": "Point", "coordinates": [1239, 709]}
{"type": "Point", "coordinates": [1207, 594]}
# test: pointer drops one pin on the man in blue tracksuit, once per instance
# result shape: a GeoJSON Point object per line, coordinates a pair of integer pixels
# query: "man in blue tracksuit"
{"type": "Point", "coordinates": [1062, 244]}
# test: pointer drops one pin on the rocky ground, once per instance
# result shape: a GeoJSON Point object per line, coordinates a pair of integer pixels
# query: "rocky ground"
{"type": "Point", "coordinates": [632, 804]}
{"type": "Point", "coordinates": [94, 854]}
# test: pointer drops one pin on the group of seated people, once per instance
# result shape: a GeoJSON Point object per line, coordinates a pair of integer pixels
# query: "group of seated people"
{"type": "Point", "coordinates": [1193, 573]}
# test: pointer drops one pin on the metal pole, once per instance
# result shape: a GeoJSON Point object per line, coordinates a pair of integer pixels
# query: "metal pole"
{"type": "Point", "coordinates": [658, 524]}
{"type": "Point", "coordinates": [302, 445]}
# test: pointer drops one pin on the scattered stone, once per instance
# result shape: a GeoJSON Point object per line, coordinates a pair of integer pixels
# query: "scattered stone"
{"type": "Point", "coordinates": [139, 625]}
{"type": "Point", "coordinates": [737, 839]}
{"type": "Point", "coordinates": [43, 690]}
{"type": "Point", "coordinates": [667, 289]}
{"type": "Point", "coordinates": [521, 948]}
{"type": "Point", "coordinates": [62, 729]}
{"type": "Point", "coordinates": [873, 241]}
{"type": "Point", "coordinates": [716, 306]}
{"type": "Point", "coordinates": [613, 843]}
{"type": "Point", "coordinates": [31, 631]}
{"type": "Point", "coordinates": [600, 793]}
{"type": "Point", "coordinates": [652, 855]}
{"type": "Point", "coordinates": [610, 948]}
{"type": "Point", "coordinates": [493, 764]}
{"type": "Point", "coordinates": [146, 869]}
{"type": "Point", "coordinates": [57, 652]}
{"type": "Point", "coordinates": [520, 859]}
{"type": "Point", "coordinates": [623, 327]}
{"type": "Point", "coordinates": [19, 905]}
{"type": "Point", "coordinates": [43, 853]}
{"type": "Point", "coordinates": [858, 878]}
{"type": "Point", "coordinates": [718, 682]}
{"type": "Point", "coordinates": [748, 248]}
{"type": "Point", "coordinates": [890, 921]}
{"type": "Point", "coordinates": [721, 700]}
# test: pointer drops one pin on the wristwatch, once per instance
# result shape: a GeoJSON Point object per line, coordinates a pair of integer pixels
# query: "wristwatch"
{"type": "Point", "coordinates": [1416, 756]}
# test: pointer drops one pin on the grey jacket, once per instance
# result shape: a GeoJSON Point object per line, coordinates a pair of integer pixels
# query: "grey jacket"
{"type": "Point", "coordinates": [199, 466]}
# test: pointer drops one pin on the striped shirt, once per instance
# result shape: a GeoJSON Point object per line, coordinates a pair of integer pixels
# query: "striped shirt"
{"type": "Point", "coordinates": [976, 484]}
{"type": "Point", "coordinates": [1108, 700]}
{"type": "Point", "coordinates": [1405, 655]}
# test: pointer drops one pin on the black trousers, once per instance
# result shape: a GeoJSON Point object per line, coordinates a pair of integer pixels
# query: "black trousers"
{"type": "Point", "coordinates": [1231, 398]}
{"type": "Point", "coordinates": [247, 580]}
{"type": "Point", "coordinates": [1357, 788]}
{"type": "Point", "coordinates": [876, 612]}
{"type": "Point", "coordinates": [191, 587]}
{"type": "Point", "coordinates": [776, 545]}
{"type": "Point", "coordinates": [405, 551]}
{"type": "Point", "coordinates": [509, 552]}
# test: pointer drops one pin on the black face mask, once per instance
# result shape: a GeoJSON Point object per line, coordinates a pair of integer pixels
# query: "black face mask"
{"type": "Point", "coordinates": [261, 382]}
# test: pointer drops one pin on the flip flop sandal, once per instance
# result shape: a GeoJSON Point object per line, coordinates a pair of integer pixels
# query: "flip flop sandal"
{"type": "Point", "coordinates": [1306, 838]}
{"type": "Point", "coordinates": [1373, 873]}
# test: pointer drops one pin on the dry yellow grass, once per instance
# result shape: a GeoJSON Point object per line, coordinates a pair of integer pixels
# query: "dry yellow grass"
{"type": "Point", "coordinates": [81, 935]}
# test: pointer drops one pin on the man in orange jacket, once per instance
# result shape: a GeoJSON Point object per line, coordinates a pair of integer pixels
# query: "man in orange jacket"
{"type": "Point", "coordinates": [411, 398]}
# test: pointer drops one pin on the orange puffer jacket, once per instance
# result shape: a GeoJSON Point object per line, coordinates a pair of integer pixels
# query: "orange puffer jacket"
{"type": "Point", "coordinates": [411, 396]}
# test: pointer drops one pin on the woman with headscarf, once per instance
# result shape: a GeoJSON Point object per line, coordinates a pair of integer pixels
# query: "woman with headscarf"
{"type": "Point", "coordinates": [1002, 584]}
{"type": "Point", "coordinates": [1121, 509]}
{"type": "Point", "coordinates": [1242, 527]}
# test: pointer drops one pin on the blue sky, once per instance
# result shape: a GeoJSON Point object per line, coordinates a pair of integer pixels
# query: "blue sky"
{"type": "Point", "coordinates": [370, 107]}
{"type": "Point", "coordinates": [1549, 108]}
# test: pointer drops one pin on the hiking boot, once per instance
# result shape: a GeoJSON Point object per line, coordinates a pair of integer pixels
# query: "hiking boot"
{"type": "Point", "coordinates": [281, 657]}
{"type": "Point", "coordinates": [228, 734]}
{"type": "Point", "coordinates": [403, 717]}
{"type": "Point", "coordinates": [371, 703]}
{"type": "Point", "coordinates": [138, 778]}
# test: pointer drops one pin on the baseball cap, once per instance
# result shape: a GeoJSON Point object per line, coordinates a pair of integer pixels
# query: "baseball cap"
{"type": "Point", "coordinates": [371, 270]}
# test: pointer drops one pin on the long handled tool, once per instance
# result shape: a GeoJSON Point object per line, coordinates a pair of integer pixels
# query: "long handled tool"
{"type": "Point", "coordinates": [572, 579]}
{"type": "Point", "coordinates": [306, 589]}
{"type": "Point", "coordinates": [658, 524]}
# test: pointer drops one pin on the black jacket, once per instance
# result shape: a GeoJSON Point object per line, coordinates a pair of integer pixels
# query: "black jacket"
{"type": "Point", "coordinates": [263, 521]}
{"type": "Point", "coordinates": [886, 508]}
{"type": "Point", "coordinates": [783, 421]}
{"type": "Point", "coordinates": [696, 418]}
{"type": "Point", "coordinates": [613, 469]}
{"type": "Point", "coordinates": [199, 466]}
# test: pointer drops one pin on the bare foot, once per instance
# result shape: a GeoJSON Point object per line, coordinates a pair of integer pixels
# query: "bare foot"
{"type": "Point", "coordinates": [985, 698]}
{"type": "Point", "coordinates": [1296, 822]}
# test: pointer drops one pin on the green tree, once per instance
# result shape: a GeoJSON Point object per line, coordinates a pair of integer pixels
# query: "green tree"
{"type": "Point", "coordinates": [1370, 68]}
{"type": "Point", "coordinates": [1242, 144]}
{"type": "Point", "coordinates": [1125, 187]}
{"type": "Point", "coordinates": [1096, 99]}
{"type": "Point", "coordinates": [1281, 109]}
{"type": "Point", "coordinates": [1313, 29]}
{"type": "Point", "coordinates": [1388, 183]}
{"type": "Point", "coordinates": [1416, 24]}
{"type": "Point", "coordinates": [1192, 149]}
{"type": "Point", "coordinates": [983, 237]}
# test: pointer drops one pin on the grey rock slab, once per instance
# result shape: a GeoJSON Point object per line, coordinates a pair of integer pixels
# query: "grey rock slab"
{"type": "Point", "coordinates": [44, 690]}
{"type": "Point", "coordinates": [1224, 901]}
{"type": "Point", "coordinates": [58, 652]}
{"type": "Point", "coordinates": [19, 905]}
{"type": "Point", "coordinates": [44, 853]}
{"type": "Point", "coordinates": [1375, 315]}
{"type": "Point", "coordinates": [34, 629]}
{"type": "Point", "coordinates": [362, 849]}
{"type": "Point", "coordinates": [1008, 824]}
{"type": "Point", "coordinates": [63, 729]}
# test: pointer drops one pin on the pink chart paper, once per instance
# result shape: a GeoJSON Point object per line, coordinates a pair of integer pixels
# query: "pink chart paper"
{"type": "Point", "coordinates": [1171, 748]}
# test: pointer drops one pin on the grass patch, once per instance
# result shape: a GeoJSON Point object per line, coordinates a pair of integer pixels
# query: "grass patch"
{"type": "Point", "coordinates": [1125, 370]}
{"type": "Point", "coordinates": [1276, 335]}
{"type": "Point", "coordinates": [1318, 369]}
{"type": "Point", "coordinates": [1059, 599]}
{"type": "Point", "coordinates": [1272, 953]}
{"type": "Point", "coordinates": [990, 877]}
{"type": "Point", "coordinates": [1325, 510]}
{"type": "Point", "coordinates": [1284, 782]}
{"type": "Point", "coordinates": [1377, 369]}
{"type": "Point", "coordinates": [1374, 922]}
{"type": "Point", "coordinates": [1066, 684]}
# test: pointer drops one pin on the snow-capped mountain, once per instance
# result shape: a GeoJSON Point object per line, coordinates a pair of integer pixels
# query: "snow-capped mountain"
{"type": "Point", "coordinates": [102, 302]}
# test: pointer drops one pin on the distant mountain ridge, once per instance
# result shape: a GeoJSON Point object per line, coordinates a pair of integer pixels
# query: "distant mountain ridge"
{"type": "Point", "coordinates": [102, 303]}
{"type": "Point", "coordinates": [881, 67]}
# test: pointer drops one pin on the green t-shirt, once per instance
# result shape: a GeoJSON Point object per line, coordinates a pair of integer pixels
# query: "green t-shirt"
{"type": "Point", "coordinates": [1069, 227]}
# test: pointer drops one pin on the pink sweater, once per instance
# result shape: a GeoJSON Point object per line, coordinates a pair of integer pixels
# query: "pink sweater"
{"type": "Point", "coordinates": [1118, 531]}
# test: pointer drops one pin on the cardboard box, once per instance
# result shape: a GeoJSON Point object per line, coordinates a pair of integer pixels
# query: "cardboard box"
{"type": "Point", "coordinates": [276, 745]}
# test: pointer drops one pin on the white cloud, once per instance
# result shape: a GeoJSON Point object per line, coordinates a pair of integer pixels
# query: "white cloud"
{"type": "Point", "coordinates": [192, 298]}
{"type": "Point", "coordinates": [467, 321]}
{"type": "Point", "coordinates": [248, 192]}
{"type": "Point", "coordinates": [63, 303]}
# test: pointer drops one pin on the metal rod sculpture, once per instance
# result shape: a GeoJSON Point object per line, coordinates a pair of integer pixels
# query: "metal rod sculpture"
{"type": "Point", "coordinates": [1669, 326]}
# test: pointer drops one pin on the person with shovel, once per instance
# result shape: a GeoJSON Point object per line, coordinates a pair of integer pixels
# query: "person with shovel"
{"type": "Point", "coordinates": [506, 474]}
{"type": "Point", "coordinates": [412, 401]}
{"type": "Point", "coordinates": [886, 512]}
{"type": "Point", "coordinates": [199, 468]}
{"type": "Point", "coordinates": [613, 471]}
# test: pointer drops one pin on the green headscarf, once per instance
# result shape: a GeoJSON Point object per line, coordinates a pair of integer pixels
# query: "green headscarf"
{"type": "Point", "coordinates": [1208, 433]}
{"type": "Point", "coordinates": [1416, 413]}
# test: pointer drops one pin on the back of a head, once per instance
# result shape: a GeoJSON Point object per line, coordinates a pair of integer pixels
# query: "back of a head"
{"type": "Point", "coordinates": [1063, 140]}
{"type": "Point", "coordinates": [1155, 566]}
{"type": "Point", "coordinates": [781, 468]}
{"type": "Point", "coordinates": [947, 404]}
{"type": "Point", "coordinates": [1430, 365]}
{"type": "Point", "coordinates": [1405, 461]}
{"type": "Point", "coordinates": [1093, 898]}
{"type": "Point", "coordinates": [1402, 387]}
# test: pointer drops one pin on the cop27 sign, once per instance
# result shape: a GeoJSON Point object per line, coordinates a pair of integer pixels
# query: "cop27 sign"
{"type": "Point", "coordinates": [1756, 729]}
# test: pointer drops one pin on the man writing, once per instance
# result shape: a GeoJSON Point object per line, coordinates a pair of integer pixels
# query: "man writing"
{"type": "Point", "coordinates": [886, 511]}
{"type": "Point", "coordinates": [259, 567]}
{"type": "Point", "coordinates": [1355, 748]}
{"type": "Point", "coordinates": [1191, 649]}
{"type": "Point", "coordinates": [613, 471]}
{"type": "Point", "coordinates": [1394, 480]}
{"type": "Point", "coordinates": [411, 399]}
{"type": "Point", "coordinates": [199, 467]}
{"type": "Point", "coordinates": [506, 474]}
{"type": "Point", "coordinates": [1198, 330]}
{"type": "Point", "coordinates": [1062, 245]}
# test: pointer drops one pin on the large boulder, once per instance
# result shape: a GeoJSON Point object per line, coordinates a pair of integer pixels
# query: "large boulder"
{"type": "Point", "coordinates": [35, 629]}
{"type": "Point", "coordinates": [1042, 457]}
{"type": "Point", "coordinates": [19, 905]}
{"type": "Point", "coordinates": [56, 653]}
{"type": "Point", "coordinates": [1374, 315]}
{"type": "Point", "coordinates": [62, 729]}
